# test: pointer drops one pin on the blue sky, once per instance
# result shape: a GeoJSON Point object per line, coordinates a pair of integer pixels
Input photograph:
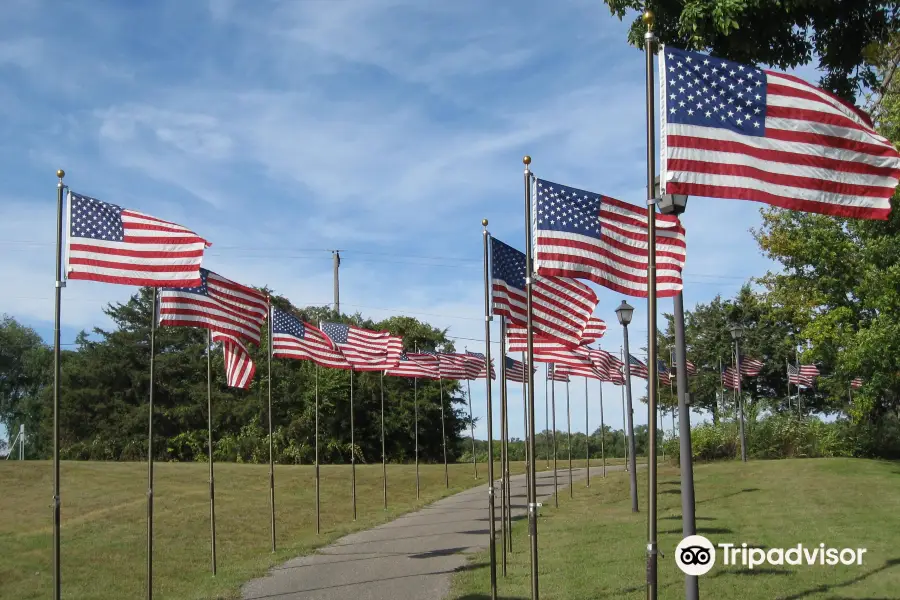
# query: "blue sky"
{"type": "Point", "coordinates": [281, 130]}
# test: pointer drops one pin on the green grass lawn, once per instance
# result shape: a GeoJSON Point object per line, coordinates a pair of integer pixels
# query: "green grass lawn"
{"type": "Point", "coordinates": [104, 522]}
{"type": "Point", "coordinates": [593, 546]}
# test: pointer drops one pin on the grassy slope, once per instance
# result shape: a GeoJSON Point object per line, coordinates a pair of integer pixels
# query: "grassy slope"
{"type": "Point", "coordinates": [104, 516]}
{"type": "Point", "coordinates": [594, 547]}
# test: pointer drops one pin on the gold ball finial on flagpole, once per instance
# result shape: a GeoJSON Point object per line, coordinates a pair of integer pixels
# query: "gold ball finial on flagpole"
{"type": "Point", "coordinates": [527, 160]}
{"type": "Point", "coordinates": [484, 222]}
{"type": "Point", "coordinates": [60, 173]}
{"type": "Point", "coordinates": [648, 18]}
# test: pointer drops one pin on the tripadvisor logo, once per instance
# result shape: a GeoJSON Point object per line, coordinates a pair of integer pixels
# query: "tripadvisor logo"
{"type": "Point", "coordinates": [695, 555]}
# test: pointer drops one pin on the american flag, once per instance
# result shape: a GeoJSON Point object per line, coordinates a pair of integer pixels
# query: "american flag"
{"type": "Point", "coordinates": [481, 372]}
{"type": "Point", "coordinates": [856, 383]}
{"type": "Point", "coordinates": [730, 378]}
{"type": "Point", "coordinates": [547, 350]}
{"type": "Point", "coordinates": [637, 368]}
{"type": "Point", "coordinates": [735, 131]}
{"type": "Point", "coordinates": [458, 366]}
{"type": "Point", "coordinates": [416, 364]}
{"type": "Point", "coordinates": [239, 367]}
{"type": "Point", "coordinates": [364, 349]}
{"type": "Point", "coordinates": [809, 371]}
{"type": "Point", "coordinates": [665, 377]}
{"type": "Point", "coordinates": [515, 370]}
{"type": "Point", "coordinates": [108, 243]}
{"type": "Point", "coordinates": [561, 307]}
{"type": "Point", "coordinates": [594, 330]}
{"type": "Point", "coordinates": [597, 368]}
{"type": "Point", "coordinates": [217, 304]}
{"type": "Point", "coordinates": [797, 377]}
{"type": "Point", "coordinates": [292, 338]}
{"type": "Point", "coordinates": [750, 367]}
{"type": "Point", "coordinates": [588, 236]}
{"type": "Point", "coordinates": [554, 374]}
{"type": "Point", "coordinates": [691, 367]}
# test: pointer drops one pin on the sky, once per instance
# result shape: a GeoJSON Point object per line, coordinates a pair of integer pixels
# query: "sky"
{"type": "Point", "coordinates": [387, 129]}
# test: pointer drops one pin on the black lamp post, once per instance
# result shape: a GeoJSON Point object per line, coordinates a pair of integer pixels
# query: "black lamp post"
{"type": "Point", "coordinates": [624, 313]}
{"type": "Point", "coordinates": [737, 332]}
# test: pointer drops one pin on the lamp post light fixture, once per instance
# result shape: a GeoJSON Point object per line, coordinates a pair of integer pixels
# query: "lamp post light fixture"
{"type": "Point", "coordinates": [624, 314]}
{"type": "Point", "coordinates": [669, 204]}
{"type": "Point", "coordinates": [737, 332]}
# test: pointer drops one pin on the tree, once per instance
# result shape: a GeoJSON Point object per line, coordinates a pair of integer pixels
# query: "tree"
{"type": "Point", "coordinates": [781, 33]}
{"type": "Point", "coordinates": [25, 369]}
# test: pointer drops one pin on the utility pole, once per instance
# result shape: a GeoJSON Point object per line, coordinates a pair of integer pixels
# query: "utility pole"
{"type": "Point", "coordinates": [336, 254]}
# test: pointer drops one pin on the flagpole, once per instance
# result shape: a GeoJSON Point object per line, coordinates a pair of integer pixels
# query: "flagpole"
{"type": "Point", "coordinates": [587, 432]}
{"type": "Point", "coordinates": [490, 423]}
{"type": "Point", "coordinates": [529, 273]}
{"type": "Point", "coordinates": [525, 417]}
{"type": "Point", "coordinates": [416, 412]}
{"type": "Point", "coordinates": [624, 425]}
{"type": "Point", "coordinates": [444, 437]}
{"type": "Point", "coordinates": [212, 479]}
{"type": "Point", "coordinates": [569, 437]}
{"type": "Point", "coordinates": [383, 451]}
{"type": "Point", "coordinates": [472, 421]}
{"type": "Point", "coordinates": [352, 449]}
{"type": "Point", "coordinates": [60, 284]}
{"type": "Point", "coordinates": [649, 40]}
{"type": "Point", "coordinates": [686, 459]}
{"type": "Point", "coordinates": [318, 513]}
{"type": "Point", "coordinates": [602, 432]}
{"type": "Point", "coordinates": [552, 369]}
{"type": "Point", "coordinates": [787, 366]}
{"type": "Point", "coordinates": [799, 399]}
{"type": "Point", "coordinates": [546, 419]}
{"type": "Point", "coordinates": [271, 448]}
{"type": "Point", "coordinates": [504, 449]}
{"type": "Point", "coordinates": [150, 451]}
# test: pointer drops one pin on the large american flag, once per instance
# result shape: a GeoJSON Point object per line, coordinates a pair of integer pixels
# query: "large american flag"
{"type": "Point", "coordinates": [418, 365]}
{"type": "Point", "coordinates": [481, 372]}
{"type": "Point", "coordinates": [561, 307]}
{"type": "Point", "coordinates": [751, 367]}
{"type": "Point", "coordinates": [637, 368]}
{"type": "Point", "coordinates": [364, 349]}
{"type": "Point", "coordinates": [218, 304]}
{"type": "Point", "coordinates": [594, 330]}
{"type": "Point", "coordinates": [294, 339]}
{"type": "Point", "coordinates": [735, 131]}
{"type": "Point", "coordinates": [588, 236]}
{"type": "Point", "coordinates": [239, 367]}
{"type": "Point", "coordinates": [108, 243]}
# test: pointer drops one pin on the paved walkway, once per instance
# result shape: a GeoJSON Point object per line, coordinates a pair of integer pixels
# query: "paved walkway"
{"type": "Point", "coordinates": [412, 557]}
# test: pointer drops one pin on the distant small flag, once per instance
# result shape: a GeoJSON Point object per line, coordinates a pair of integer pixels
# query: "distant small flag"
{"type": "Point", "coordinates": [548, 350]}
{"type": "Point", "coordinates": [416, 365]}
{"type": "Point", "coordinates": [596, 368]}
{"type": "Point", "coordinates": [730, 378]}
{"type": "Point", "coordinates": [594, 330]}
{"type": "Point", "coordinates": [856, 383]}
{"type": "Point", "coordinates": [637, 368]}
{"type": "Point", "coordinates": [364, 349]}
{"type": "Point", "coordinates": [809, 371]}
{"type": "Point", "coordinates": [481, 373]}
{"type": "Point", "coordinates": [292, 338]}
{"type": "Point", "coordinates": [561, 307]}
{"type": "Point", "coordinates": [239, 367]}
{"type": "Point", "coordinates": [457, 366]}
{"type": "Point", "coordinates": [217, 304]}
{"type": "Point", "coordinates": [515, 370]}
{"type": "Point", "coordinates": [734, 131]}
{"type": "Point", "coordinates": [554, 374]}
{"type": "Point", "coordinates": [108, 243]}
{"type": "Point", "coordinates": [751, 367]}
{"type": "Point", "coordinates": [797, 377]}
{"type": "Point", "coordinates": [663, 371]}
{"type": "Point", "coordinates": [584, 235]}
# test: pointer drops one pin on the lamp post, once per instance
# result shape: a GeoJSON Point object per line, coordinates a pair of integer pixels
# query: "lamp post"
{"type": "Point", "coordinates": [737, 332]}
{"type": "Point", "coordinates": [624, 314]}
{"type": "Point", "coordinates": [676, 204]}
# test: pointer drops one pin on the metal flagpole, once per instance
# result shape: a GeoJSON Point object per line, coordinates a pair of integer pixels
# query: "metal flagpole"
{"type": "Point", "coordinates": [587, 432]}
{"type": "Point", "coordinates": [444, 438]}
{"type": "Point", "coordinates": [624, 426]}
{"type": "Point", "coordinates": [552, 369]}
{"type": "Point", "coordinates": [416, 412]}
{"type": "Point", "coordinates": [688, 519]}
{"type": "Point", "coordinates": [383, 452]}
{"type": "Point", "coordinates": [318, 512]}
{"type": "Point", "coordinates": [529, 273]}
{"type": "Point", "coordinates": [787, 366]}
{"type": "Point", "coordinates": [490, 423]}
{"type": "Point", "coordinates": [504, 474]}
{"type": "Point", "coordinates": [60, 284]}
{"type": "Point", "coordinates": [472, 421]}
{"type": "Point", "coordinates": [649, 40]}
{"type": "Point", "coordinates": [352, 450]}
{"type": "Point", "coordinates": [212, 479]}
{"type": "Point", "coordinates": [740, 398]}
{"type": "Point", "coordinates": [602, 432]}
{"type": "Point", "coordinates": [569, 437]}
{"type": "Point", "coordinates": [799, 398]}
{"type": "Point", "coordinates": [150, 451]}
{"type": "Point", "coordinates": [271, 447]}
{"type": "Point", "coordinates": [525, 417]}
{"type": "Point", "coordinates": [547, 420]}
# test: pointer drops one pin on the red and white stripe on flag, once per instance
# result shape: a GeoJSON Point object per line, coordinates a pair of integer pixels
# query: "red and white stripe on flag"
{"type": "Point", "coordinates": [416, 365]}
{"type": "Point", "coordinates": [239, 367]}
{"type": "Point", "coordinates": [594, 330]}
{"type": "Point", "coordinates": [733, 131]}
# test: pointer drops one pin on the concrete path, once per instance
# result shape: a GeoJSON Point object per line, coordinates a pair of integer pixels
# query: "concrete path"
{"type": "Point", "coordinates": [412, 557]}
